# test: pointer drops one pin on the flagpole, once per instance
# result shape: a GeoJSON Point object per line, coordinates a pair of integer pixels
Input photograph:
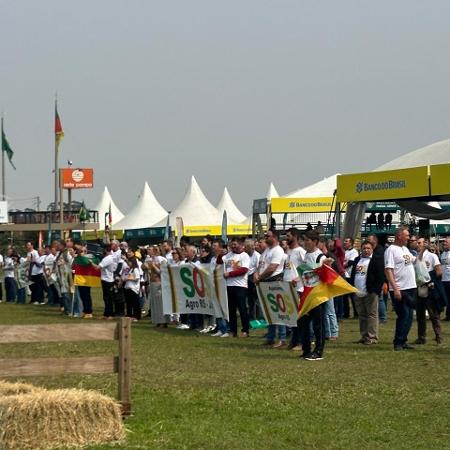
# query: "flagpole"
{"type": "Point", "coordinates": [56, 160]}
{"type": "Point", "coordinates": [3, 168]}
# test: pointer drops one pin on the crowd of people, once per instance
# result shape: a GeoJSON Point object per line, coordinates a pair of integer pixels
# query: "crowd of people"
{"type": "Point", "coordinates": [409, 273]}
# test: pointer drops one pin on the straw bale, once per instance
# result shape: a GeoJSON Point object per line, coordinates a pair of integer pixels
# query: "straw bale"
{"type": "Point", "coordinates": [64, 418]}
{"type": "Point", "coordinates": [7, 388]}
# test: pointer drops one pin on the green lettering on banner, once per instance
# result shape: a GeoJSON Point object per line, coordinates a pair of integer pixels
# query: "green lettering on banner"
{"type": "Point", "coordinates": [273, 302]}
{"type": "Point", "coordinates": [186, 277]}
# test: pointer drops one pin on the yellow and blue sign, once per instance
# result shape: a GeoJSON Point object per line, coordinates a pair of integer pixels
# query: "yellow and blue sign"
{"type": "Point", "coordinates": [302, 205]}
{"type": "Point", "coordinates": [216, 230]}
{"type": "Point", "coordinates": [385, 185]}
{"type": "Point", "coordinates": [440, 179]}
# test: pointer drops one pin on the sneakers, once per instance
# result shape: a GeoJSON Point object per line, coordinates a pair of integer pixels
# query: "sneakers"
{"type": "Point", "coordinates": [225, 335]}
{"type": "Point", "coordinates": [420, 341]}
{"type": "Point", "coordinates": [88, 316]}
{"type": "Point", "coordinates": [244, 335]}
{"type": "Point", "coordinates": [183, 326]}
{"type": "Point", "coordinates": [280, 345]}
{"type": "Point", "coordinates": [35, 303]}
{"type": "Point", "coordinates": [218, 334]}
{"type": "Point", "coordinates": [296, 348]}
{"type": "Point", "coordinates": [408, 347]}
{"type": "Point", "coordinates": [208, 329]}
{"type": "Point", "coordinates": [314, 356]}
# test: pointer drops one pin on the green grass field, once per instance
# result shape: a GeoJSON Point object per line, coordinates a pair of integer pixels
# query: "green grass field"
{"type": "Point", "coordinates": [198, 392]}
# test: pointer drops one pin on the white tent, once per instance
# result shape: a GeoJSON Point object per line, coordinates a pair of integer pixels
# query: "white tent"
{"type": "Point", "coordinates": [146, 212]}
{"type": "Point", "coordinates": [195, 209]}
{"type": "Point", "coordinates": [271, 192]}
{"type": "Point", "coordinates": [103, 207]}
{"type": "Point", "coordinates": [322, 188]}
{"type": "Point", "coordinates": [437, 153]}
{"type": "Point", "coordinates": [227, 204]}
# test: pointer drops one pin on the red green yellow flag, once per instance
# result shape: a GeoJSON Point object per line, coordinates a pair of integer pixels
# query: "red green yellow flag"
{"type": "Point", "coordinates": [320, 284]}
{"type": "Point", "coordinates": [59, 132]}
{"type": "Point", "coordinates": [85, 274]}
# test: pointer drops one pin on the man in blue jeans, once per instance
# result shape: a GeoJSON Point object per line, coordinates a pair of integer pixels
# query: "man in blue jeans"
{"type": "Point", "coordinates": [399, 270]}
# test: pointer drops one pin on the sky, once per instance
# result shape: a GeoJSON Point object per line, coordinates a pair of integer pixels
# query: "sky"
{"type": "Point", "coordinates": [237, 93]}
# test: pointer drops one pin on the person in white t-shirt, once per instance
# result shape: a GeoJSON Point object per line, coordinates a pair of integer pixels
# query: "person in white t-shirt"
{"type": "Point", "coordinates": [429, 303]}
{"type": "Point", "coordinates": [295, 256]}
{"type": "Point", "coordinates": [236, 264]}
{"type": "Point", "coordinates": [399, 270]}
{"type": "Point", "coordinates": [445, 262]}
{"type": "Point", "coordinates": [107, 266]}
{"type": "Point", "coordinates": [271, 267]}
{"type": "Point", "coordinates": [36, 275]}
{"type": "Point", "coordinates": [313, 257]}
{"type": "Point", "coordinates": [350, 255]}
{"type": "Point", "coordinates": [132, 284]}
{"type": "Point", "coordinates": [254, 311]}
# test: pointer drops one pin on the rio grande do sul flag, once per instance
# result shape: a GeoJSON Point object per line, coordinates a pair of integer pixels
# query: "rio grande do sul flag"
{"type": "Point", "coordinates": [320, 284]}
{"type": "Point", "coordinates": [85, 274]}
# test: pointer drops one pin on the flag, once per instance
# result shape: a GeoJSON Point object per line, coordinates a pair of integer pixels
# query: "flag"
{"type": "Point", "coordinates": [110, 216]}
{"type": "Point", "coordinates": [59, 132]}
{"type": "Point", "coordinates": [224, 227]}
{"type": "Point", "coordinates": [320, 284]}
{"type": "Point", "coordinates": [84, 213]}
{"type": "Point", "coordinates": [7, 148]}
{"type": "Point", "coordinates": [85, 274]}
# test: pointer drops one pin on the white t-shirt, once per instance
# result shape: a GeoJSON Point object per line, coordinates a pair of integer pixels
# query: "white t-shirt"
{"type": "Point", "coordinates": [169, 257]}
{"type": "Point", "coordinates": [445, 260]}
{"type": "Point", "coordinates": [254, 262]}
{"type": "Point", "coordinates": [311, 258]}
{"type": "Point", "coordinates": [233, 261]}
{"type": "Point", "coordinates": [36, 261]}
{"type": "Point", "coordinates": [350, 255]}
{"type": "Point", "coordinates": [135, 284]}
{"type": "Point", "coordinates": [274, 255]}
{"type": "Point", "coordinates": [9, 267]}
{"type": "Point", "coordinates": [361, 276]}
{"type": "Point", "coordinates": [108, 266]}
{"type": "Point", "coordinates": [294, 258]}
{"type": "Point", "coordinates": [401, 260]}
{"type": "Point", "coordinates": [431, 260]}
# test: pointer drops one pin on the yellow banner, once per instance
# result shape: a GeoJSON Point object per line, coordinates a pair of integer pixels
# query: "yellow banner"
{"type": "Point", "coordinates": [440, 179]}
{"type": "Point", "coordinates": [386, 185]}
{"type": "Point", "coordinates": [216, 230]}
{"type": "Point", "coordinates": [301, 205]}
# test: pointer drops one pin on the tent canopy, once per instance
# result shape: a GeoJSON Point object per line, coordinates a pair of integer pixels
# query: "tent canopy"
{"type": "Point", "coordinates": [103, 207]}
{"type": "Point", "coordinates": [146, 212]}
{"type": "Point", "coordinates": [195, 209]}
{"type": "Point", "coordinates": [227, 204]}
{"type": "Point", "coordinates": [272, 192]}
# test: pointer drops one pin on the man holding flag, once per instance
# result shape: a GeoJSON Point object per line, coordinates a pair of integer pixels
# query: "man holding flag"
{"type": "Point", "coordinates": [320, 283]}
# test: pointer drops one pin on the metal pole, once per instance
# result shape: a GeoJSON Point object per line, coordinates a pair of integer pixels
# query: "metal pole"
{"type": "Point", "coordinates": [61, 206]}
{"type": "Point", "coordinates": [3, 169]}
{"type": "Point", "coordinates": [56, 161]}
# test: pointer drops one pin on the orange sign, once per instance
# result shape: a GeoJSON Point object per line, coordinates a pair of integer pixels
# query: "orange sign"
{"type": "Point", "coordinates": [77, 178]}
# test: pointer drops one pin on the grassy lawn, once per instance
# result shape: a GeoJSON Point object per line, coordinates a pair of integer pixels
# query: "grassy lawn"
{"type": "Point", "coordinates": [198, 392]}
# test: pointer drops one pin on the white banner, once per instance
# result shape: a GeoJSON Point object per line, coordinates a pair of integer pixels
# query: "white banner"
{"type": "Point", "coordinates": [191, 289]}
{"type": "Point", "coordinates": [279, 302]}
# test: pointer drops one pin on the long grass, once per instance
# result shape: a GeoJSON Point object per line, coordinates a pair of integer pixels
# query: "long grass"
{"type": "Point", "coordinates": [198, 392]}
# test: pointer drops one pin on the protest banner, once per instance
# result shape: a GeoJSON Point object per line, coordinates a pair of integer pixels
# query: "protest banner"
{"type": "Point", "coordinates": [279, 302]}
{"type": "Point", "coordinates": [192, 289]}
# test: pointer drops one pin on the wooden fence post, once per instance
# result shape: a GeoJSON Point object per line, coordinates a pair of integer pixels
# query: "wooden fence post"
{"type": "Point", "coordinates": [124, 369]}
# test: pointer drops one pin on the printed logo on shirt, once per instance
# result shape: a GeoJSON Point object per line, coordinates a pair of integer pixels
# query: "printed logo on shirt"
{"type": "Point", "coordinates": [361, 270]}
{"type": "Point", "coordinates": [310, 278]}
{"type": "Point", "coordinates": [232, 265]}
{"type": "Point", "coordinates": [407, 259]}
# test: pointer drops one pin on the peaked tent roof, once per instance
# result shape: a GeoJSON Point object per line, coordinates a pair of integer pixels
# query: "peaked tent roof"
{"type": "Point", "coordinates": [437, 153]}
{"type": "Point", "coordinates": [272, 192]}
{"type": "Point", "coordinates": [146, 212]}
{"type": "Point", "coordinates": [103, 207]}
{"type": "Point", "coordinates": [227, 204]}
{"type": "Point", "coordinates": [195, 208]}
{"type": "Point", "coordinates": [322, 188]}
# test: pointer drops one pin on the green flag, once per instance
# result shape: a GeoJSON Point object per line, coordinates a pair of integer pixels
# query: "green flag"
{"type": "Point", "coordinates": [84, 213]}
{"type": "Point", "coordinates": [7, 148]}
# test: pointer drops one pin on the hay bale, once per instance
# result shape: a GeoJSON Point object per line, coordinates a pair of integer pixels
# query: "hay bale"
{"type": "Point", "coordinates": [7, 388]}
{"type": "Point", "coordinates": [47, 420]}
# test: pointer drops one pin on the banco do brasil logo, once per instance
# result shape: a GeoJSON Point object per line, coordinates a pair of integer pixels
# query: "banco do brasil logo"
{"type": "Point", "coordinates": [380, 186]}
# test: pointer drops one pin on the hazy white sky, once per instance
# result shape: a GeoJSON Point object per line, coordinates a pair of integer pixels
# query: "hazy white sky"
{"type": "Point", "coordinates": [238, 93]}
